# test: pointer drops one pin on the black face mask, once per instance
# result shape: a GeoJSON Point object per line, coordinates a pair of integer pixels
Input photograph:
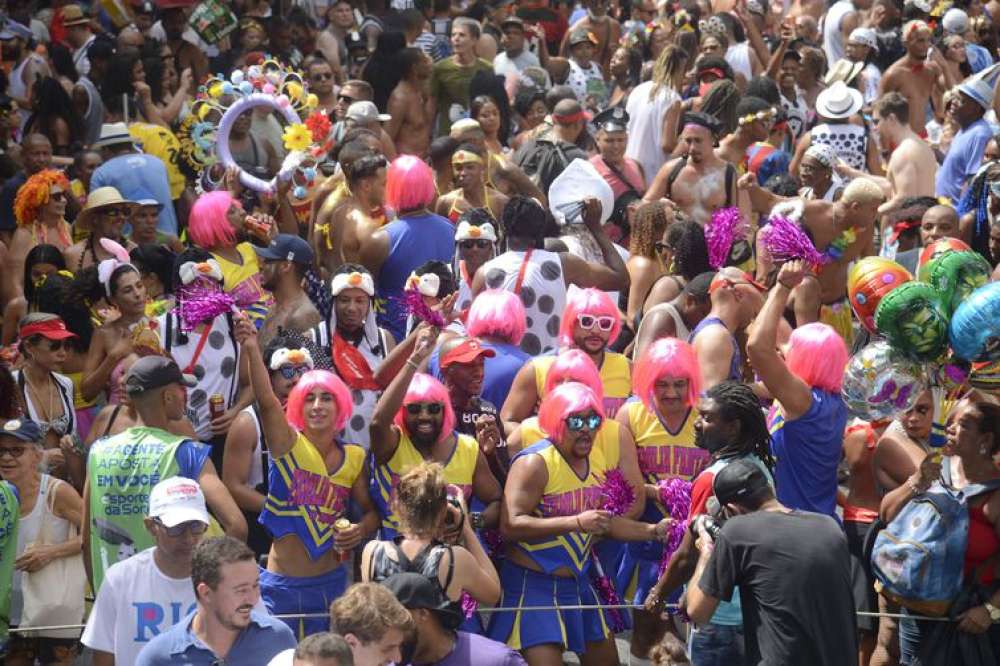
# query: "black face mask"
{"type": "Point", "coordinates": [710, 444]}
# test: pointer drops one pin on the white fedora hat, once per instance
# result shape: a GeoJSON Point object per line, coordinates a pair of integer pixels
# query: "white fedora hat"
{"type": "Point", "coordinates": [839, 101]}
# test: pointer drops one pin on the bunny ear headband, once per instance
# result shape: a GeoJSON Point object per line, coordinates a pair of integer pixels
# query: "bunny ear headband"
{"type": "Point", "coordinates": [105, 269]}
{"type": "Point", "coordinates": [285, 356]}
{"type": "Point", "coordinates": [191, 270]}
{"type": "Point", "coordinates": [427, 284]}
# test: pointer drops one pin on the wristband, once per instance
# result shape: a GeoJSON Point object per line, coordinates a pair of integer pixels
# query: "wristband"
{"type": "Point", "coordinates": [413, 365]}
{"type": "Point", "coordinates": [579, 524]}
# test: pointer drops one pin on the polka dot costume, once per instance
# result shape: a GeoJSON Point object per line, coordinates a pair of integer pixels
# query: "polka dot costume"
{"type": "Point", "coordinates": [850, 142]}
{"type": "Point", "coordinates": [543, 293]}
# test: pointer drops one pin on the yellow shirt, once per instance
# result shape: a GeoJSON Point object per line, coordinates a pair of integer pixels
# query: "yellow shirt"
{"type": "Point", "coordinates": [608, 437]}
{"type": "Point", "coordinates": [663, 454]}
{"type": "Point", "coordinates": [616, 378]}
{"type": "Point", "coordinates": [242, 281]}
{"type": "Point", "coordinates": [161, 142]}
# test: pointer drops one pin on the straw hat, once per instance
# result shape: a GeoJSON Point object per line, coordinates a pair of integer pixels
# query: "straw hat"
{"type": "Point", "coordinates": [98, 199]}
{"type": "Point", "coordinates": [843, 70]}
{"type": "Point", "coordinates": [73, 15]}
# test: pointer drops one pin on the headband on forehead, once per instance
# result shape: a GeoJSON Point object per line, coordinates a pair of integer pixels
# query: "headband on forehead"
{"type": "Point", "coordinates": [286, 356]}
{"type": "Point", "coordinates": [192, 270]}
{"type": "Point", "coordinates": [767, 114]}
{"type": "Point", "coordinates": [915, 26]}
{"type": "Point", "coordinates": [105, 269]}
{"type": "Point", "coordinates": [823, 154]}
{"type": "Point", "coordinates": [427, 284]}
{"type": "Point", "coordinates": [465, 156]}
{"type": "Point", "coordinates": [571, 118]}
{"type": "Point", "coordinates": [466, 231]}
{"type": "Point", "coordinates": [355, 280]}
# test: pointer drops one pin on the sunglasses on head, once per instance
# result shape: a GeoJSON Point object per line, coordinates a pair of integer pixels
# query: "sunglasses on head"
{"type": "Point", "coordinates": [578, 422]}
{"type": "Point", "coordinates": [603, 323]}
{"type": "Point", "coordinates": [192, 526]}
{"type": "Point", "coordinates": [481, 243]}
{"type": "Point", "coordinates": [417, 408]}
{"type": "Point", "coordinates": [293, 371]}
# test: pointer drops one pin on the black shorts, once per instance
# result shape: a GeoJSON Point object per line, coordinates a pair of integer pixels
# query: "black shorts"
{"type": "Point", "coordinates": [43, 649]}
{"type": "Point", "coordinates": [862, 582]}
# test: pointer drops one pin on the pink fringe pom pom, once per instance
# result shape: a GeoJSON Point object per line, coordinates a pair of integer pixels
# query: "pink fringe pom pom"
{"type": "Point", "coordinates": [675, 496]}
{"type": "Point", "coordinates": [617, 493]}
{"type": "Point", "coordinates": [414, 304]}
{"type": "Point", "coordinates": [784, 240]}
{"type": "Point", "coordinates": [608, 595]}
{"type": "Point", "coordinates": [469, 605]}
{"type": "Point", "coordinates": [724, 229]}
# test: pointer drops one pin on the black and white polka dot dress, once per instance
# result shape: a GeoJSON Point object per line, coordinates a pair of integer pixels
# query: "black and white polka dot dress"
{"type": "Point", "coordinates": [543, 292]}
{"type": "Point", "coordinates": [850, 142]}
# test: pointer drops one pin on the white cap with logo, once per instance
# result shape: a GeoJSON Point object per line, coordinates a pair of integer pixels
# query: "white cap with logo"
{"type": "Point", "coordinates": [177, 500]}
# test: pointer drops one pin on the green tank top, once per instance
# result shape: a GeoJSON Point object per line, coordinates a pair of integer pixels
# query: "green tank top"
{"type": "Point", "coordinates": [10, 515]}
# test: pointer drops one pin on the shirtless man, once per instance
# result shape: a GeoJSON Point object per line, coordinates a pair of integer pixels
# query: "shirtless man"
{"type": "Point", "coordinates": [756, 118]}
{"type": "Point", "coordinates": [698, 182]}
{"type": "Point", "coordinates": [912, 166]}
{"type": "Point", "coordinates": [320, 75]}
{"type": "Point", "coordinates": [849, 223]}
{"type": "Point", "coordinates": [361, 214]}
{"type": "Point", "coordinates": [283, 264]}
{"type": "Point", "coordinates": [410, 126]}
{"type": "Point", "coordinates": [919, 80]}
{"type": "Point", "coordinates": [501, 174]}
{"type": "Point", "coordinates": [469, 167]}
{"type": "Point", "coordinates": [605, 29]}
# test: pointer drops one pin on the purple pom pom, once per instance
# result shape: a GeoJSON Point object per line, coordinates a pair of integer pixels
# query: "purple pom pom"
{"type": "Point", "coordinates": [201, 301]}
{"type": "Point", "coordinates": [618, 494]}
{"type": "Point", "coordinates": [469, 605]}
{"type": "Point", "coordinates": [784, 241]}
{"type": "Point", "coordinates": [414, 304]}
{"type": "Point", "coordinates": [675, 496]}
{"type": "Point", "coordinates": [608, 596]}
{"type": "Point", "coordinates": [725, 228]}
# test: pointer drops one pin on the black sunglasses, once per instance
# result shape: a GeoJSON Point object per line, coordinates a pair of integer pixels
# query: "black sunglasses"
{"type": "Point", "coordinates": [481, 243]}
{"type": "Point", "coordinates": [293, 371]}
{"type": "Point", "coordinates": [416, 408]}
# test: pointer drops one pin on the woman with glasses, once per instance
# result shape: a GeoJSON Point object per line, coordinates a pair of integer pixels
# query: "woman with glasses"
{"type": "Point", "coordinates": [468, 164]}
{"type": "Point", "coordinates": [47, 395]}
{"type": "Point", "coordinates": [475, 243]}
{"type": "Point", "coordinates": [552, 514]}
{"type": "Point", "coordinates": [313, 477]}
{"type": "Point", "coordinates": [591, 324]}
{"type": "Point", "coordinates": [51, 511]}
{"type": "Point", "coordinates": [684, 254]}
{"type": "Point", "coordinates": [245, 458]}
{"type": "Point", "coordinates": [104, 216]}
{"type": "Point", "coordinates": [647, 250]}
{"type": "Point", "coordinates": [40, 211]}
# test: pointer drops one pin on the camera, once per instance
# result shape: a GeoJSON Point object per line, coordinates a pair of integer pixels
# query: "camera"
{"type": "Point", "coordinates": [712, 525]}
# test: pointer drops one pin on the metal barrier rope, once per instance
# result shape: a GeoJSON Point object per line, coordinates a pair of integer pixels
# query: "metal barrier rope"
{"type": "Point", "coordinates": [500, 609]}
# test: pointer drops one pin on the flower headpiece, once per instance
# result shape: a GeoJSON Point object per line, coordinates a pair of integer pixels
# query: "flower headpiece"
{"type": "Point", "coordinates": [767, 114]}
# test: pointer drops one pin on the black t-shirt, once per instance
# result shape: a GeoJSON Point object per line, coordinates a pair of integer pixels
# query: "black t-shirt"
{"type": "Point", "coordinates": [793, 571]}
{"type": "Point", "coordinates": [465, 420]}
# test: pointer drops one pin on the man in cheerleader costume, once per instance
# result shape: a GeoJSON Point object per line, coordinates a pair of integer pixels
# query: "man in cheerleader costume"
{"type": "Point", "coordinates": [552, 511]}
{"type": "Point", "coordinates": [413, 422]}
{"type": "Point", "coordinates": [364, 355]}
{"type": "Point", "coordinates": [661, 421]}
{"type": "Point", "coordinates": [313, 478]}
{"type": "Point", "coordinates": [730, 426]}
{"type": "Point", "coordinates": [590, 323]}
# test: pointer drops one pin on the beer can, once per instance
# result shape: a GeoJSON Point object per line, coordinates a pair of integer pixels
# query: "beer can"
{"type": "Point", "coordinates": [216, 405]}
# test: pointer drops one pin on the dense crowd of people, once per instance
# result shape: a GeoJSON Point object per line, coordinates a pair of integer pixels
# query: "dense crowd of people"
{"type": "Point", "coordinates": [489, 331]}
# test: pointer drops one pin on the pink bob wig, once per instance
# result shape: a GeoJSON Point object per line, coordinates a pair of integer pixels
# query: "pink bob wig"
{"type": "Point", "coordinates": [566, 400]}
{"type": "Point", "coordinates": [667, 357]}
{"type": "Point", "coordinates": [207, 223]}
{"type": "Point", "coordinates": [497, 313]}
{"type": "Point", "coordinates": [591, 302]}
{"type": "Point", "coordinates": [573, 365]}
{"type": "Point", "coordinates": [321, 380]}
{"type": "Point", "coordinates": [425, 388]}
{"type": "Point", "coordinates": [817, 355]}
{"type": "Point", "coordinates": [409, 184]}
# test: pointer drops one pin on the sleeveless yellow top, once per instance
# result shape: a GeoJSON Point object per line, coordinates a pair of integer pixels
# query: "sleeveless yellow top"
{"type": "Point", "coordinates": [663, 454]}
{"type": "Point", "coordinates": [243, 282]}
{"type": "Point", "coordinates": [607, 437]}
{"type": "Point", "coordinates": [616, 377]}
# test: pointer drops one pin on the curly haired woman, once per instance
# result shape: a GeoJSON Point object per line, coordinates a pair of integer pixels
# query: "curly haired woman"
{"type": "Point", "coordinates": [39, 208]}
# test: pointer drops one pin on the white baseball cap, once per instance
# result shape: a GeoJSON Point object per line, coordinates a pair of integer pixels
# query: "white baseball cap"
{"type": "Point", "coordinates": [177, 500]}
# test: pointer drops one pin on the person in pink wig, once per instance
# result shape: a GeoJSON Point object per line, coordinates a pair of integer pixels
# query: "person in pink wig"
{"type": "Point", "coordinates": [313, 478]}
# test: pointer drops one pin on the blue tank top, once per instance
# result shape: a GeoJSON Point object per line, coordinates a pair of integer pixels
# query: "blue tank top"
{"type": "Point", "coordinates": [736, 364]}
{"type": "Point", "coordinates": [412, 241]}
{"type": "Point", "coordinates": [807, 452]}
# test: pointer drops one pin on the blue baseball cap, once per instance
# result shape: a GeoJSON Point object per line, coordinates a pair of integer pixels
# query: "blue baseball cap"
{"type": "Point", "coordinates": [287, 247]}
{"type": "Point", "coordinates": [25, 430]}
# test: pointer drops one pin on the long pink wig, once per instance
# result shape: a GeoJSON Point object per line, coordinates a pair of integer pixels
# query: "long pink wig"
{"type": "Point", "coordinates": [409, 184]}
{"type": "Point", "coordinates": [667, 357]}
{"type": "Point", "coordinates": [565, 400]}
{"type": "Point", "coordinates": [207, 223]}
{"type": "Point", "coordinates": [322, 380]}
{"type": "Point", "coordinates": [817, 355]}
{"type": "Point", "coordinates": [573, 365]}
{"type": "Point", "coordinates": [497, 313]}
{"type": "Point", "coordinates": [425, 388]}
{"type": "Point", "coordinates": [587, 301]}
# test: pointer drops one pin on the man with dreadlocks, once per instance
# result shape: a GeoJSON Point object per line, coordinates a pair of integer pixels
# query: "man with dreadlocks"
{"type": "Point", "coordinates": [731, 427]}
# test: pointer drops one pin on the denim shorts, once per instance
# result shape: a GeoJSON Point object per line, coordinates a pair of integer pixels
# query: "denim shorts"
{"type": "Point", "coordinates": [716, 645]}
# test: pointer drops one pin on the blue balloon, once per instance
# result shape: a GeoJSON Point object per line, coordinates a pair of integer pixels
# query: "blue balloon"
{"type": "Point", "coordinates": [246, 87]}
{"type": "Point", "coordinates": [975, 327]}
{"type": "Point", "coordinates": [227, 88]}
{"type": "Point", "coordinates": [299, 192]}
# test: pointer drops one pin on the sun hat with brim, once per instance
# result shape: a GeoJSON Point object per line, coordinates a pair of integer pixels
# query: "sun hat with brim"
{"type": "Point", "coordinates": [843, 70]}
{"type": "Point", "coordinates": [97, 200]}
{"type": "Point", "coordinates": [839, 101]}
{"type": "Point", "coordinates": [112, 134]}
{"type": "Point", "coordinates": [73, 15]}
{"type": "Point", "coordinates": [13, 29]}
{"type": "Point", "coordinates": [50, 329]}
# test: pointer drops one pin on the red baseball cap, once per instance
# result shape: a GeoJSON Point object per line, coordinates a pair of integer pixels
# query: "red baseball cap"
{"type": "Point", "coordinates": [53, 329]}
{"type": "Point", "coordinates": [466, 352]}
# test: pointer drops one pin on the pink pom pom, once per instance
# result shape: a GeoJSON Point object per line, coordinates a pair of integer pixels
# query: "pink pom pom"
{"type": "Point", "coordinates": [618, 494]}
{"type": "Point", "coordinates": [784, 240]}
{"type": "Point", "coordinates": [414, 304]}
{"type": "Point", "coordinates": [469, 605]}
{"type": "Point", "coordinates": [268, 89]}
{"type": "Point", "coordinates": [607, 595]}
{"type": "Point", "coordinates": [724, 229]}
{"type": "Point", "coordinates": [675, 496]}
